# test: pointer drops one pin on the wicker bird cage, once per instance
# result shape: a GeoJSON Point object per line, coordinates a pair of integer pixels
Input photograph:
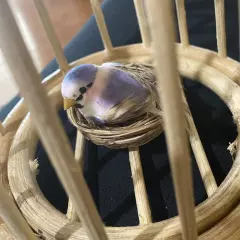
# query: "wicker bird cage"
{"type": "Point", "coordinates": [25, 212]}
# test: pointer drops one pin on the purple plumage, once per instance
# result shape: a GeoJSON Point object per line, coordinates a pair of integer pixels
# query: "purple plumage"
{"type": "Point", "coordinates": [119, 86]}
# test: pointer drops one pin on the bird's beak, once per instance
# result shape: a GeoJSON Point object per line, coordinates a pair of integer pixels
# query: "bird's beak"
{"type": "Point", "coordinates": [67, 103]}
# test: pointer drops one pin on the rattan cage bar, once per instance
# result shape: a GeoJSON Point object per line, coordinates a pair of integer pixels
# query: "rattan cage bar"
{"type": "Point", "coordinates": [79, 150]}
{"type": "Point", "coordinates": [142, 21]}
{"type": "Point", "coordinates": [1, 129]}
{"type": "Point", "coordinates": [220, 27]}
{"type": "Point", "coordinates": [201, 158]}
{"type": "Point", "coordinates": [96, 7]}
{"type": "Point", "coordinates": [11, 123]}
{"type": "Point", "coordinates": [143, 207]}
{"type": "Point", "coordinates": [199, 153]}
{"type": "Point", "coordinates": [161, 17]}
{"type": "Point", "coordinates": [182, 22]}
{"type": "Point", "coordinates": [51, 35]}
{"type": "Point", "coordinates": [195, 141]}
{"type": "Point", "coordinates": [79, 158]}
{"type": "Point", "coordinates": [47, 123]}
{"type": "Point", "coordinates": [63, 64]}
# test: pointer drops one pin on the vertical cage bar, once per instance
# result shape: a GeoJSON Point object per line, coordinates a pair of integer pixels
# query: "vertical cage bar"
{"type": "Point", "coordinates": [48, 124]}
{"type": "Point", "coordinates": [201, 158]}
{"type": "Point", "coordinates": [163, 38]}
{"type": "Point", "coordinates": [96, 7]}
{"type": "Point", "coordinates": [182, 22]}
{"type": "Point", "coordinates": [79, 158]}
{"type": "Point", "coordinates": [220, 27]}
{"type": "Point", "coordinates": [51, 34]}
{"type": "Point", "coordinates": [238, 30]}
{"type": "Point", "coordinates": [2, 130]}
{"type": "Point", "coordinates": [144, 212]}
{"type": "Point", "coordinates": [79, 151]}
{"type": "Point", "coordinates": [13, 218]}
{"type": "Point", "coordinates": [142, 21]}
{"type": "Point", "coordinates": [199, 153]}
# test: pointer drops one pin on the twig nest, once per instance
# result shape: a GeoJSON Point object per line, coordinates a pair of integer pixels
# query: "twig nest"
{"type": "Point", "coordinates": [133, 133]}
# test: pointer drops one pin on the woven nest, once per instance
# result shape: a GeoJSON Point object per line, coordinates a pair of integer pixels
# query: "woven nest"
{"type": "Point", "coordinates": [138, 130]}
{"type": "Point", "coordinates": [131, 134]}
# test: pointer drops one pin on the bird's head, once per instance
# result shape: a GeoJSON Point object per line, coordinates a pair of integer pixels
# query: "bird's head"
{"type": "Point", "coordinates": [76, 83]}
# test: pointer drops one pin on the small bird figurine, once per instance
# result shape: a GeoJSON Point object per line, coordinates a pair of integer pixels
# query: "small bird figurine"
{"type": "Point", "coordinates": [112, 93]}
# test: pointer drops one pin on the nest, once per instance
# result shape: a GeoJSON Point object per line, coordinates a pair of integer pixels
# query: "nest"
{"type": "Point", "coordinates": [134, 133]}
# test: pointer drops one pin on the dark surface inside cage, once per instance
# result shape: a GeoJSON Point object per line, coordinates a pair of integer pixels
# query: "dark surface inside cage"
{"type": "Point", "coordinates": [108, 175]}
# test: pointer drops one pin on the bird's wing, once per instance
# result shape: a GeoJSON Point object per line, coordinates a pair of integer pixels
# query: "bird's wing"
{"type": "Point", "coordinates": [125, 110]}
{"type": "Point", "coordinates": [119, 110]}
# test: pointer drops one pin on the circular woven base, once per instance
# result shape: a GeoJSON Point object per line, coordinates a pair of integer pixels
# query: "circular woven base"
{"type": "Point", "coordinates": [193, 63]}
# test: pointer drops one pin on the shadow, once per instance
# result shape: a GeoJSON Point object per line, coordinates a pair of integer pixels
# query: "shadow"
{"type": "Point", "coordinates": [151, 177]}
{"type": "Point", "coordinates": [91, 170]}
{"type": "Point", "coordinates": [117, 200]}
{"type": "Point", "coordinates": [108, 157]}
{"type": "Point", "coordinates": [112, 218]}
{"type": "Point", "coordinates": [199, 190]}
{"type": "Point", "coordinates": [49, 183]}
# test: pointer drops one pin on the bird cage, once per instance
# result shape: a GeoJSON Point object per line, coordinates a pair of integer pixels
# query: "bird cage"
{"type": "Point", "coordinates": [25, 212]}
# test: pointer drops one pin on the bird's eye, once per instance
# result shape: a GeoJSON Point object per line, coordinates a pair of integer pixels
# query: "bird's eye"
{"type": "Point", "coordinates": [82, 90]}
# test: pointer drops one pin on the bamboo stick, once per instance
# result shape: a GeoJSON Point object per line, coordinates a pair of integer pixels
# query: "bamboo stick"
{"type": "Point", "coordinates": [163, 37]}
{"type": "Point", "coordinates": [79, 151]}
{"type": "Point", "coordinates": [144, 212]}
{"type": "Point", "coordinates": [48, 124]}
{"type": "Point", "coordinates": [96, 7]}
{"type": "Point", "coordinates": [220, 27]}
{"type": "Point", "coordinates": [79, 158]}
{"type": "Point", "coordinates": [13, 218]}
{"type": "Point", "coordinates": [142, 20]}
{"type": "Point", "coordinates": [2, 130]}
{"type": "Point", "coordinates": [52, 36]}
{"type": "Point", "coordinates": [200, 155]}
{"type": "Point", "coordinates": [182, 22]}
{"type": "Point", "coordinates": [238, 29]}
{"type": "Point", "coordinates": [201, 158]}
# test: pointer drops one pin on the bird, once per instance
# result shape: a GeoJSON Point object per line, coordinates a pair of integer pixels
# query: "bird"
{"type": "Point", "coordinates": [111, 93]}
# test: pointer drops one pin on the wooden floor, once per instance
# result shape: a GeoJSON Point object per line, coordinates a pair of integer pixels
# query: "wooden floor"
{"type": "Point", "coordinates": [68, 16]}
